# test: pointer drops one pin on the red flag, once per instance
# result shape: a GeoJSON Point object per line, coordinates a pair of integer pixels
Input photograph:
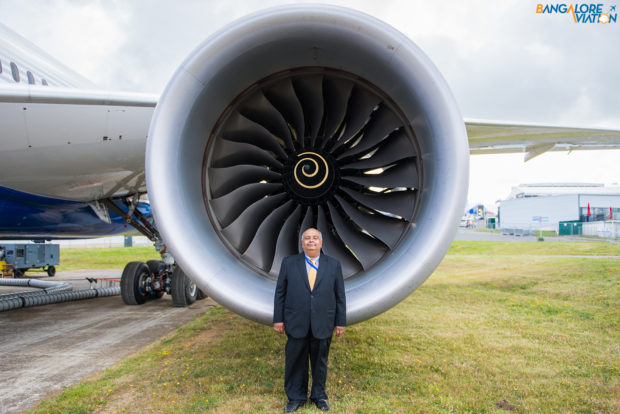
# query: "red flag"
{"type": "Point", "coordinates": [611, 213]}
{"type": "Point", "coordinates": [589, 212]}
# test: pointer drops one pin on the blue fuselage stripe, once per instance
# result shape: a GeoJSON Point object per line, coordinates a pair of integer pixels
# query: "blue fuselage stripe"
{"type": "Point", "coordinates": [24, 215]}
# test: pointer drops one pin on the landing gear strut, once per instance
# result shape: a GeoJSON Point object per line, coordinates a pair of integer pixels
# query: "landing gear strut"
{"type": "Point", "coordinates": [151, 280]}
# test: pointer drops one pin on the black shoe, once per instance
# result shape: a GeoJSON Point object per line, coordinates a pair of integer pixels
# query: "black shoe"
{"type": "Point", "coordinates": [322, 405]}
{"type": "Point", "coordinates": [292, 406]}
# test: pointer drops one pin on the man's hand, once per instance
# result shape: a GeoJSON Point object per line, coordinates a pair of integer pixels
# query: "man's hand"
{"type": "Point", "coordinates": [279, 327]}
{"type": "Point", "coordinates": [339, 330]}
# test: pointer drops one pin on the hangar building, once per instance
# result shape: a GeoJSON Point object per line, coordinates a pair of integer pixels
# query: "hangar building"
{"type": "Point", "coordinates": [544, 206]}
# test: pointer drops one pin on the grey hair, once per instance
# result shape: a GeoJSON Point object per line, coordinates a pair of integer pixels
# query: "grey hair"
{"type": "Point", "coordinates": [311, 228]}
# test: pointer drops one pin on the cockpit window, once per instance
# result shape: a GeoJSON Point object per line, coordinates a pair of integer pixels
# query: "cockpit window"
{"type": "Point", "coordinates": [30, 78]}
{"type": "Point", "coordinates": [15, 72]}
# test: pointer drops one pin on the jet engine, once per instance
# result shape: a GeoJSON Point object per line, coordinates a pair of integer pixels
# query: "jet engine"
{"type": "Point", "coordinates": [307, 116]}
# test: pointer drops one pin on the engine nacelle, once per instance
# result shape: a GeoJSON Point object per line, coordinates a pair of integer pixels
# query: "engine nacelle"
{"type": "Point", "coordinates": [307, 116]}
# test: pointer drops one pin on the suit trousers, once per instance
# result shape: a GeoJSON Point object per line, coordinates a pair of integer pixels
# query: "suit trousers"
{"type": "Point", "coordinates": [298, 352]}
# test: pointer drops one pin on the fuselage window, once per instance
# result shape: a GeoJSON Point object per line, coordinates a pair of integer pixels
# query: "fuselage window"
{"type": "Point", "coordinates": [30, 78]}
{"type": "Point", "coordinates": [43, 82]}
{"type": "Point", "coordinates": [15, 72]}
{"type": "Point", "coordinates": [0, 66]}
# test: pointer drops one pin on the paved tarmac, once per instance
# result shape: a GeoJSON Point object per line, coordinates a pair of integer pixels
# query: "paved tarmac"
{"type": "Point", "coordinates": [47, 348]}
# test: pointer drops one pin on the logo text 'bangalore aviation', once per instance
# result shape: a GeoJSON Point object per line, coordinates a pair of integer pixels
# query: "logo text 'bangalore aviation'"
{"type": "Point", "coordinates": [582, 12]}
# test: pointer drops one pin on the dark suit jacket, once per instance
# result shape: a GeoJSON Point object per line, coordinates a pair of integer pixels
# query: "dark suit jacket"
{"type": "Point", "coordinates": [302, 310]}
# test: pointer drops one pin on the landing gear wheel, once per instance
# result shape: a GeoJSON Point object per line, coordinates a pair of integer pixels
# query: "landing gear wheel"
{"type": "Point", "coordinates": [201, 295]}
{"type": "Point", "coordinates": [17, 273]}
{"type": "Point", "coordinates": [51, 271]}
{"type": "Point", "coordinates": [133, 283]}
{"type": "Point", "coordinates": [184, 290]}
{"type": "Point", "coordinates": [156, 267]}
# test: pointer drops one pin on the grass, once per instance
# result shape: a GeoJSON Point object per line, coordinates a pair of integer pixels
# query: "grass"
{"type": "Point", "coordinates": [492, 248]}
{"type": "Point", "coordinates": [543, 233]}
{"type": "Point", "coordinates": [104, 258]}
{"type": "Point", "coordinates": [499, 327]}
{"type": "Point", "coordinates": [118, 257]}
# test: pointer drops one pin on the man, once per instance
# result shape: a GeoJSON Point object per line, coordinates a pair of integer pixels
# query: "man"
{"type": "Point", "coordinates": [309, 305]}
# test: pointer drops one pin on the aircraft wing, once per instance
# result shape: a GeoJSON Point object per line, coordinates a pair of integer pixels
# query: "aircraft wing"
{"type": "Point", "coordinates": [87, 145]}
{"type": "Point", "coordinates": [487, 137]}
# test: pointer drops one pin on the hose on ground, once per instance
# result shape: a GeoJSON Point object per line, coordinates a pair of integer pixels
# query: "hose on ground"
{"type": "Point", "coordinates": [46, 287]}
{"type": "Point", "coordinates": [51, 292]}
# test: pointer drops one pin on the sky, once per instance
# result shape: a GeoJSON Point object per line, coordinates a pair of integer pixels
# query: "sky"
{"type": "Point", "coordinates": [502, 60]}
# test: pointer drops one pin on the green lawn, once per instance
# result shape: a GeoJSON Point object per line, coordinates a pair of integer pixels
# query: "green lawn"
{"type": "Point", "coordinates": [499, 327]}
{"type": "Point", "coordinates": [104, 258]}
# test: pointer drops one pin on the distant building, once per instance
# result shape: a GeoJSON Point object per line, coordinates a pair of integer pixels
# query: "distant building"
{"type": "Point", "coordinates": [544, 206]}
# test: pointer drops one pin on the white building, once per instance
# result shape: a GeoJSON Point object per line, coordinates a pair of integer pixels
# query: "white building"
{"type": "Point", "coordinates": [543, 206]}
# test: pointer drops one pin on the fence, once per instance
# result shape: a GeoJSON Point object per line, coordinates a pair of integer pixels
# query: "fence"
{"type": "Point", "coordinates": [111, 241]}
{"type": "Point", "coordinates": [609, 229]}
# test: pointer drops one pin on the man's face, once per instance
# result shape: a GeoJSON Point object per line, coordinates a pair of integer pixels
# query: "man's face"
{"type": "Point", "coordinates": [311, 242]}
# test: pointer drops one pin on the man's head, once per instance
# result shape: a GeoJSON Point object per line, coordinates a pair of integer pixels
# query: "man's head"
{"type": "Point", "coordinates": [311, 242]}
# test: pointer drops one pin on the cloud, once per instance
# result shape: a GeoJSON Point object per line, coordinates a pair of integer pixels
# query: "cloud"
{"type": "Point", "coordinates": [501, 59]}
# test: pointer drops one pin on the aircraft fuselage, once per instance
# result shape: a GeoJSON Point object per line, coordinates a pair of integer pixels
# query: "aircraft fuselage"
{"type": "Point", "coordinates": [71, 144]}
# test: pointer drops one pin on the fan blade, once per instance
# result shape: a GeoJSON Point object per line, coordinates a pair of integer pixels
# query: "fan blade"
{"type": "Point", "coordinates": [229, 153]}
{"type": "Point", "coordinates": [380, 126]}
{"type": "Point", "coordinates": [282, 96]}
{"type": "Point", "coordinates": [224, 180]}
{"type": "Point", "coordinates": [337, 92]}
{"type": "Point", "coordinates": [399, 203]}
{"type": "Point", "coordinates": [384, 228]}
{"type": "Point", "coordinates": [309, 90]}
{"type": "Point", "coordinates": [227, 208]}
{"type": "Point", "coordinates": [263, 247]}
{"type": "Point", "coordinates": [334, 247]}
{"type": "Point", "coordinates": [241, 231]}
{"type": "Point", "coordinates": [366, 249]}
{"type": "Point", "coordinates": [288, 240]}
{"type": "Point", "coordinates": [403, 174]}
{"type": "Point", "coordinates": [361, 105]}
{"type": "Point", "coordinates": [261, 111]}
{"type": "Point", "coordinates": [241, 129]}
{"type": "Point", "coordinates": [394, 148]}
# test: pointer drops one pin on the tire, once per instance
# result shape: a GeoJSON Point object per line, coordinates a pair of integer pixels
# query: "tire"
{"type": "Point", "coordinates": [200, 295]}
{"type": "Point", "coordinates": [17, 273]}
{"type": "Point", "coordinates": [154, 266]}
{"type": "Point", "coordinates": [183, 289]}
{"type": "Point", "coordinates": [132, 283]}
{"type": "Point", "coordinates": [51, 271]}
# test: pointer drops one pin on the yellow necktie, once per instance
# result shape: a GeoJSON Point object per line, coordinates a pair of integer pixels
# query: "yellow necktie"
{"type": "Point", "coordinates": [312, 275]}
